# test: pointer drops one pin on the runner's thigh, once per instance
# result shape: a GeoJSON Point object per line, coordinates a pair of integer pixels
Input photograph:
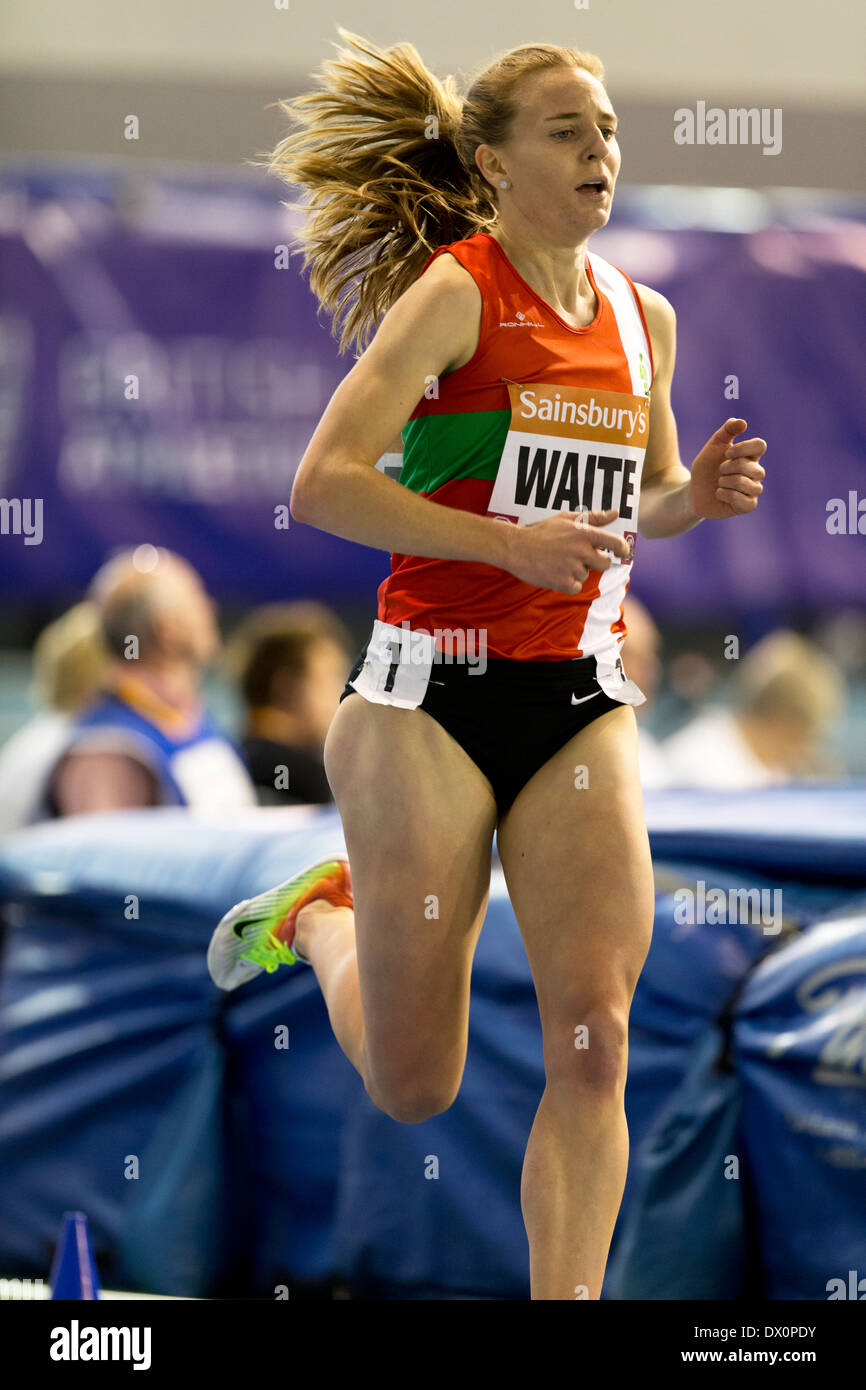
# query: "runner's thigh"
{"type": "Point", "coordinates": [418, 818]}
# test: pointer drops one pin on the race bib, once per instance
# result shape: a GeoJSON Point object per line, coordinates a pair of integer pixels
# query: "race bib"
{"type": "Point", "coordinates": [397, 666]}
{"type": "Point", "coordinates": [572, 449]}
{"type": "Point", "coordinates": [611, 676]}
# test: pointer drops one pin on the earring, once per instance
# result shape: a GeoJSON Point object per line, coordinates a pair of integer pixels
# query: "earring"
{"type": "Point", "coordinates": [503, 183]}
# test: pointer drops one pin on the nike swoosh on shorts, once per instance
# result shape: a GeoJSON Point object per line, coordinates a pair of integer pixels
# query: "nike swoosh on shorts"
{"type": "Point", "coordinates": [585, 697]}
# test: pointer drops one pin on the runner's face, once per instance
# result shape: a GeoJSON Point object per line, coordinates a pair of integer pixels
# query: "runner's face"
{"type": "Point", "coordinates": [563, 136]}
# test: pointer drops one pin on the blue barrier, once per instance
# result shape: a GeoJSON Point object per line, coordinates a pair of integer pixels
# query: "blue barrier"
{"type": "Point", "coordinates": [685, 1234]}
{"type": "Point", "coordinates": [118, 1049]}
{"type": "Point", "coordinates": [260, 1158]}
{"type": "Point", "coordinates": [800, 1051]}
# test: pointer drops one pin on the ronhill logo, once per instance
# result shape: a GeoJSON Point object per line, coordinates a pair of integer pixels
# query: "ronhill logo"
{"type": "Point", "coordinates": [521, 321]}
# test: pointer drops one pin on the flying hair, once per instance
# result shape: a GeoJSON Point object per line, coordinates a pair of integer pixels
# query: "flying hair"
{"type": "Point", "coordinates": [384, 153]}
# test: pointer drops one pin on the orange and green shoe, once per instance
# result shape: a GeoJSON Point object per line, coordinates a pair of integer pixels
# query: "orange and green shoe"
{"type": "Point", "coordinates": [258, 934]}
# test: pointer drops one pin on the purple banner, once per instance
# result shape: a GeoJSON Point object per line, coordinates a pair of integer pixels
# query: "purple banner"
{"type": "Point", "coordinates": [161, 376]}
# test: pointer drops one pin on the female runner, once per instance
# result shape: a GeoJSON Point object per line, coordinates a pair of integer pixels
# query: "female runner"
{"type": "Point", "coordinates": [529, 381]}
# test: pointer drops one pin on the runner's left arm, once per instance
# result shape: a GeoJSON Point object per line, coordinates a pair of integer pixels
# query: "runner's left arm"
{"type": "Point", "coordinates": [665, 507]}
{"type": "Point", "coordinates": [725, 479]}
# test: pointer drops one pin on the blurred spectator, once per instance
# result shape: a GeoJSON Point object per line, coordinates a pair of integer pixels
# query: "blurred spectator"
{"type": "Point", "coordinates": [69, 659]}
{"type": "Point", "coordinates": [843, 638]}
{"type": "Point", "coordinates": [642, 661]}
{"type": "Point", "coordinates": [693, 677]}
{"type": "Point", "coordinates": [145, 740]}
{"type": "Point", "coordinates": [785, 695]}
{"type": "Point", "coordinates": [290, 661]}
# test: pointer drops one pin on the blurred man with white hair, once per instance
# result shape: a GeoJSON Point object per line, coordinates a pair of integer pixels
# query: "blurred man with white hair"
{"type": "Point", "coordinates": [146, 740]}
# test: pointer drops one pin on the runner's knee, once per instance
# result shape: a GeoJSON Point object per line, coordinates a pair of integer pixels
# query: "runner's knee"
{"type": "Point", "coordinates": [586, 1047]}
{"type": "Point", "coordinates": [413, 1101]}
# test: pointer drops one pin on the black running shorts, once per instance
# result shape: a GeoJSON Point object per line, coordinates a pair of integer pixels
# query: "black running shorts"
{"type": "Point", "coordinates": [509, 716]}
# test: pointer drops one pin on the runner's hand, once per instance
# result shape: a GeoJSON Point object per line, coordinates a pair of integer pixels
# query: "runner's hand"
{"type": "Point", "coordinates": [725, 478]}
{"type": "Point", "coordinates": [559, 552]}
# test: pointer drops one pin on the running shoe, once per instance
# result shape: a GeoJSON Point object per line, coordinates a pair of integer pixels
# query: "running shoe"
{"type": "Point", "coordinates": [258, 933]}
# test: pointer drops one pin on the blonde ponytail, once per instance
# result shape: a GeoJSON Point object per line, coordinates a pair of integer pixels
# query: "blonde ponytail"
{"type": "Point", "coordinates": [386, 154]}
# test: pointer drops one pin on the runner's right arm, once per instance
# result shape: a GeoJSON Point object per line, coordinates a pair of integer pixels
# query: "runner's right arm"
{"type": "Point", "coordinates": [339, 489]}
